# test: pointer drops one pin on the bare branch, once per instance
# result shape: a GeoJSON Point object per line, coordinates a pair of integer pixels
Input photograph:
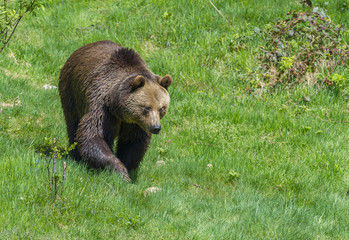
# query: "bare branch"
{"type": "Point", "coordinates": [15, 26]}
{"type": "Point", "coordinates": [219, 12]}
{"type": "Point", "coordinates": [13, 30]}
{"type": "Point", "coordinates": [54, 177]}
{"type": "Point", "coordinates": [63, 180]}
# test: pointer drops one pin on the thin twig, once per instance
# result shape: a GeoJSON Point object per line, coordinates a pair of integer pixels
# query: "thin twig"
{"type": "Point", "coordinates": [220, 13]}
{"type": "Point", "coordinates": [54, 179]}
{"type": "Point", "coordinates": [63, 180]}
{"type": "Point", "coordinates": [329, 120]}
{"type": "Point", "coordinates": [19, 19]}
{"type": "Point", "coordinates": [174, 123]}
{"type": "Point", "coordinates": [48, 170]}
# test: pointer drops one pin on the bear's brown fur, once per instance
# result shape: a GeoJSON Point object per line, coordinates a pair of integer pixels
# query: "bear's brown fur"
{"type": "Point", "coordinates": [108, 92]}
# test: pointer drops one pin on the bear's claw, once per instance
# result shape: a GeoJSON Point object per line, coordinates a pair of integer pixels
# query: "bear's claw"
{"type": "Point", "coordinates": [123, 172]}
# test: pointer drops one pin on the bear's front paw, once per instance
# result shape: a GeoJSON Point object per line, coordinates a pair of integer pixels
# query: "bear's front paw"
{"type": "Point", "coordinates": [126, 177]}
{"type": "Point", "coordinates": [121, 169]}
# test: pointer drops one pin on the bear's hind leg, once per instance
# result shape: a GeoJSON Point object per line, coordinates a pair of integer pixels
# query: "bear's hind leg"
{"type": "Point", "coordinates": [71, 119]}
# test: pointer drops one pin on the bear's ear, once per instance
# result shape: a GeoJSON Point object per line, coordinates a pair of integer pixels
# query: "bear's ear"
{"type": "Point", "coordinates": [137, 82]}
{"type": "Point", "coordinates": [165, 81]}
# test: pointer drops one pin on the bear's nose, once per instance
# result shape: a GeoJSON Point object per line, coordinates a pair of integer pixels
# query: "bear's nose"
{"type": "Point", "coordinates": [155, 129]}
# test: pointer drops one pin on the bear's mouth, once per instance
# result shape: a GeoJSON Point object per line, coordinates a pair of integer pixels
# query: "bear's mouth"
{"type": "Point", "coordinates": [152, 129]}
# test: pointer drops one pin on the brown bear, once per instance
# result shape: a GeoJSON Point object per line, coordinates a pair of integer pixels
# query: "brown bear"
{"type": "Point", "coordinates": [109, 92]}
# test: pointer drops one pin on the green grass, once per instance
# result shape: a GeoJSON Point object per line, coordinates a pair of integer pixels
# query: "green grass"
{"type": "Point", "coordinates": [290, 168]}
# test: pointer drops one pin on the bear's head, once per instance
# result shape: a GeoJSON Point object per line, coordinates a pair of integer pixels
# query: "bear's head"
{"type": "Point", "coordinates": [147, 103]}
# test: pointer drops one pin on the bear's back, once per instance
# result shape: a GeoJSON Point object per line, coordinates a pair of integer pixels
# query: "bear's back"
{"type": "Point", "coordinates": [88, 59]}
{"type": "Point", "coordinates": [102, 59]}
{"type": "Point", "coordinates": [94, 69]}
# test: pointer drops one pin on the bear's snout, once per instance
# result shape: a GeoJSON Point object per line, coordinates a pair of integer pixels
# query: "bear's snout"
{"type": "Point", "coordinates": [155, 129]}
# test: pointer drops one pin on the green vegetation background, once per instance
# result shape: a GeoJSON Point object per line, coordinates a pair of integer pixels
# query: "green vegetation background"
{"type": "Point", "coordinates": [279, 170]}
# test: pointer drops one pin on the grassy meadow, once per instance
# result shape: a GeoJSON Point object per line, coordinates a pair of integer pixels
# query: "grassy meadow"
{"type": "Point", "coordinates": [238, 163]}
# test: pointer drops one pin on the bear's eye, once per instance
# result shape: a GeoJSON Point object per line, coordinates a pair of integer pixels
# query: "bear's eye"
{"type": "Point", "coordinates": [146, 109]}
{"type": "Point", "coordinates": [161, 110]}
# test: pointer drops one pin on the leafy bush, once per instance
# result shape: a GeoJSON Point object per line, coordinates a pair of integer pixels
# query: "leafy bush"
{"type": "Point", "coordinates": [11, 13]}
{"type": "Point", "coordinates": [305, 47]}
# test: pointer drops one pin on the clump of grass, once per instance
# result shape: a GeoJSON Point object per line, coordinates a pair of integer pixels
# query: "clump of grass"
{"type": "Point", "coordinates": [233, 176]}
{"type": "Point", "coordinates": [306, 47]}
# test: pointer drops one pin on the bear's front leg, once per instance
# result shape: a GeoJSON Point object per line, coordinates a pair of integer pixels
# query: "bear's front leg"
{"type": "Point", "coordinates": [132, 145]}
{"type": "Point", "coordinates": [93, 148]}
{"type": "Point", "coordinates": [97, 153]}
